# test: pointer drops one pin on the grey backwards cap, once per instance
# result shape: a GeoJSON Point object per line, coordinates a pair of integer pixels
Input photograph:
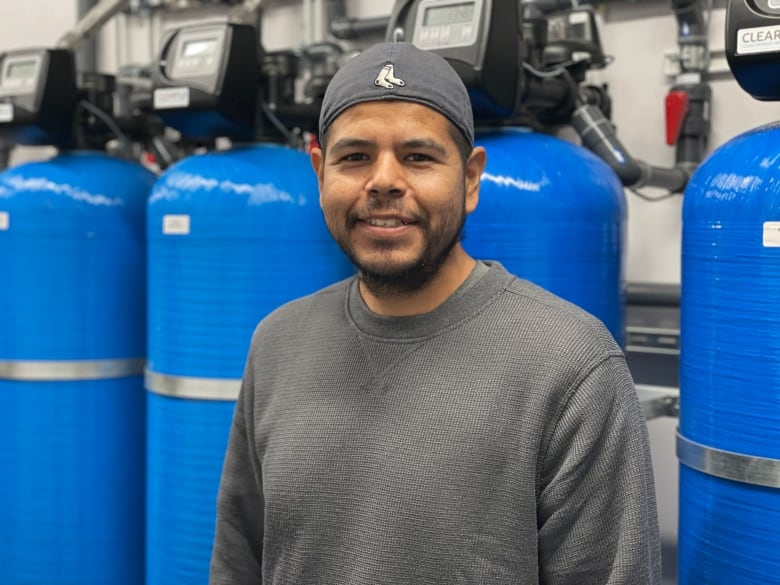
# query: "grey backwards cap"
{"type": "Point", "coordinates": [399, 71]}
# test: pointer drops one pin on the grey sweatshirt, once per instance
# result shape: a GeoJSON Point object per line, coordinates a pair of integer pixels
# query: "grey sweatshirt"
{"type": "Point", "coordinates": [495, 440]}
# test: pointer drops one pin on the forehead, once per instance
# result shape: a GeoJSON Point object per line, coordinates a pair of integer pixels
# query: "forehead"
{"type": "Point", "coordinates": [391, 117]}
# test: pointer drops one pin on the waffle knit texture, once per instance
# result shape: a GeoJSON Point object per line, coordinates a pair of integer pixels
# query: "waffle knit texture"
{"type": "Point", "coordinates": [496, 440]}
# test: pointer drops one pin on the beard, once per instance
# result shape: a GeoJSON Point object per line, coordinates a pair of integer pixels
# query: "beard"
{"type": "Point", "coordinates": [413, 277]}
{"type": "Point", "coordinates": [405, 278]}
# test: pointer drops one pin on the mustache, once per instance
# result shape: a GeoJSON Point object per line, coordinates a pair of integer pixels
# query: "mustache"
{"type": "Point", "coordinates": [389, 208]}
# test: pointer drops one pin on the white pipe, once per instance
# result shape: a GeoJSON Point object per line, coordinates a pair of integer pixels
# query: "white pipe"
{"type": "Point", "coordinates": [91, 21]}
{"type": "Point", "coordinates": [127, 24]}
{"type": "Point", "coordinates": [121, 40]}
{"type": "Point", "coordinates": [318, 20]}
{"type": "Point", "coordinates": [305, 22]}
{"type": "Point", "coordinates": [155, 31]}
{"type": "Point", "coordinates": [309, 23]}
{"type": "Point", "coordinates": [246, 12]}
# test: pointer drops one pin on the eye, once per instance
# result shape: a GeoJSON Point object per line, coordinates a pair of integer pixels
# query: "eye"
{"type": "Point", "coordinates": [354, 157]}
{"type": "Point", "coordinates": [419, 157]}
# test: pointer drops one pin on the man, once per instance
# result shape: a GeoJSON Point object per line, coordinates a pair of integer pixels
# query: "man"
{"type": "Point", "coordinates": [434, 419]}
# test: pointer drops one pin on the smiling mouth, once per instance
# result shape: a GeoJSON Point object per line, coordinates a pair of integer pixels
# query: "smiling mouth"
{"type": "Point", "coordinates": [389, 223]}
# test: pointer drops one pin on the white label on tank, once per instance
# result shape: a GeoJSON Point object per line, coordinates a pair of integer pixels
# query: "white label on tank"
{"type": "Point", "coordinates": [176, 225]}
{"type": "Point", "coordinates": [5, 221]}
{"type": "Point", "coordinates": [6, 113]}
{"type": "Point", "coordinates": [762, 39]}
{"type": "Point", "coordinates": [171, 97]}
{"type": "Point", "coordinates": [772, 234]}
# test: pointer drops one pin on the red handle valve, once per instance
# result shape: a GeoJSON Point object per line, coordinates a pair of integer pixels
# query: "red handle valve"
{"type": "Point", "coordinates": [677, 105]}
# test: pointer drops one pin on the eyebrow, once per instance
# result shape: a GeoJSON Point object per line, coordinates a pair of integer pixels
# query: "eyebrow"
{"type": "Point", "coordinates": [424, 143]}
{"type": "Point", "coordinates": [349, 143]}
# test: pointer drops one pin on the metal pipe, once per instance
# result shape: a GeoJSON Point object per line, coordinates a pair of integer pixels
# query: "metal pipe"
{"type": "Point", "coordinates": [246, 12]}
{"type": "Point", "coordinates": [306, 22]}
{"type": "Point", "coordinates": [692, 36]}
{"type": "Point", "coordinates": [318, 21]}
{"type": "Point", "coordinates": [91, 21]}
{"type": "Point", "coordinates": [86, 58]}
{"type": "Point", "coordinates": [653, 294]}
{"type": "Point", "coordinates": [694, 61]}
{"type": "Point", "coordinates": [351, 28]}
{"type": "Point", "coordinates": [120, 36]}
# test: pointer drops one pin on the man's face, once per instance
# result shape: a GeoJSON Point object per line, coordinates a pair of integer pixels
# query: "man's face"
{"type": "Point", "coordinates": [394, 191]}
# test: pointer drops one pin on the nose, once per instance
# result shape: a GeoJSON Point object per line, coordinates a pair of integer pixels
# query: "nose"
{"type": "Point", "coordinates": [386, 177]}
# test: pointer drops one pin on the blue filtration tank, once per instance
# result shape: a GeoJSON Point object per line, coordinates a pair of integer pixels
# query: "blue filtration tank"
{"type": "Point", "coordinates": [553, 213]}
{"type": "Point", "coordinates": [729, 434]}
{"type": "Point", "coordinates": [232, 235]}
{"type": "Point", "coordinates": [72, 346]}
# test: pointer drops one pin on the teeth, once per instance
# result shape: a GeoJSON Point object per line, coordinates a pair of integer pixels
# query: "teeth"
{"type": "Point", "coordinates": [385, 222]}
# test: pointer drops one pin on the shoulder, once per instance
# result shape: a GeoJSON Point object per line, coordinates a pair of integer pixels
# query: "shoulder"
{"type": "Point", "coordinates": [553, 324]}
{"type": "Point", "coordinates": [304, 316]}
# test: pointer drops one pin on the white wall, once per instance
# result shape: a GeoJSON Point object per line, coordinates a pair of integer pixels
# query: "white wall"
{"type": "Point", "coordinates": [34, 23]}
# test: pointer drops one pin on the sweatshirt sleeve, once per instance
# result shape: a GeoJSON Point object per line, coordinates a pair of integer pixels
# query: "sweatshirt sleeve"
{"type": "Point", "coordinates": [596, 508]}
{"type": "Point", "coordinates": [237, 553]}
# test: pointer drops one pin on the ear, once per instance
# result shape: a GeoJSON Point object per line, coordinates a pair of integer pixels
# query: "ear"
{"type": "Point", "coordinates": [475, 166]}
{"type": "Point", "coordinates": [318, 164]}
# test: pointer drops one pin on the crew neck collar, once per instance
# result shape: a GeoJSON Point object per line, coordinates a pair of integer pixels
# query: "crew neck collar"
{"type": "Point", "coordinates": [484, 282]}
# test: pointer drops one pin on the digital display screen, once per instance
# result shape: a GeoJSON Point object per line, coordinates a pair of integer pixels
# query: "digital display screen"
{"type": "Point", "coordinates": [21, 69]}
{"type": "Point", "coordinates": [452, 14]}
{"type": "Point", "coordinates": [199, 47]}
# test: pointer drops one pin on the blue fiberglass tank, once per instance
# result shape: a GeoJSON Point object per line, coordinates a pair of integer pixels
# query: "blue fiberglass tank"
{"type": "Point", "coordinates": [72, 347]}
{"type": "Point", "coordinates": [553, 213]}
{"type": "Point", "coordinates": [729, 435]}
{"type": "Point", "coordinates": [232, 235]}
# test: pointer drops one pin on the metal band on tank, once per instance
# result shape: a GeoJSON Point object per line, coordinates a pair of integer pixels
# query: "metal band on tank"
{"type": "Point", "coordinates": [728, 465]}
{"type": "Point", "coordinates": [64, 371]}
{"type": "Point", "coordinates": [187, 387]}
